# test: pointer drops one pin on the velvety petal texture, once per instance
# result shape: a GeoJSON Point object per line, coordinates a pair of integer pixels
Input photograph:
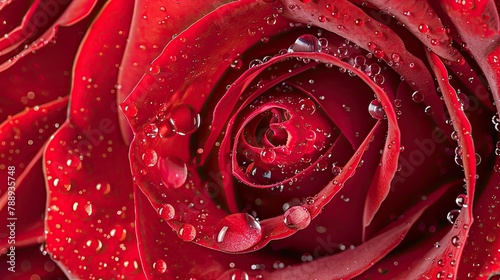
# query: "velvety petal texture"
{"type": "Point", "coordinates": [251, 139]}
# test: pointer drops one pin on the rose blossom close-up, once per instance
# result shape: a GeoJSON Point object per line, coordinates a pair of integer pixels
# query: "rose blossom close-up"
{"type": "Point", "coordinates": [251, 139]}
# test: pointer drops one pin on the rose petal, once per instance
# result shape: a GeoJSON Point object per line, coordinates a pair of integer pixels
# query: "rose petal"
{"type": "Point", "coordinates": [478, 26]}
{"type": "Point", "coordinates": [420, 19]}
{"type": "Point", "coordinates": [23, 137]}
{"type": "Point", "coordinates": [30, 263]}
{"type": "Point", "coordinates": [42, 15]}
{"type": "Point", "coordinates": [480, 255]}
{"type": "Point", "coordinates": [341, 18]}
{"type": "Point", "coordinates": [453, 242]}
{"type": "Point", "coordinates": [152, 18]}
{"type": "Point", "coordinates": [348, 264]}
{"type": "Point", "coordinates": [48, 72]}
{"type": "Point", "coordinates": [90, 203]}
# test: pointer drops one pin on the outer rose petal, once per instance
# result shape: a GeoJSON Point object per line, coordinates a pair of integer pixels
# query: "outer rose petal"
{"type": "Point", "coordinates": [31, 263]}
{"type": "Point", "coordinates": [90, 220]}
{"type": "Point", "coordinates": [23, 137]}
{"type": "Point", "coordinates": [43, 14]}
{"type": "Point", "coordinates": [154, 24]}
{"type": "Point", "coordinates": [48, 72]}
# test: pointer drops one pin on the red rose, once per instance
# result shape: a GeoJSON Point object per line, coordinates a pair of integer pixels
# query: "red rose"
{"type": "Point", "coordinates": [271, 140]}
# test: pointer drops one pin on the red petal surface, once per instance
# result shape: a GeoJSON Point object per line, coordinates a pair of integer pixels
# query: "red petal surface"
{"type": "Point", "coordinates": [348, 264]}
{"type": "Point", "coordinates": [48, 72]}
{"type": "Point", "coordinates": [22, 137]}
{"type": "Point", "coordinates": [452, 243]}
{"type": "Point", "coordinates": [154, 24]}
{"type": "Point", "coordinates": [478, 25]}
{"type": "Point", "coordinates": [39, 27]}
{"type": "Point", "coordinates": [90, 219]}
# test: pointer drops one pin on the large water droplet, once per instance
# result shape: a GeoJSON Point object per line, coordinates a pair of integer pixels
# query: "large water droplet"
{"type": "Point", "coordinates": [237, 232]}
{"type": "Point", "coordinates": [160, 266]}
{"type": "Point", "coordinates": [305, 43]}
{"type": "Point", "coordinates": [184, 119]}
{"type": "Point", "coordinates": [173, 171]}
{"type": "Point", "coordinates": [455, 241]}
{"type": "Point", "coordinates": [307, 105]}
{"type": "Point", "coordinates": [166, 212]}
{"type": "Point", "coordinates": [461, 200]}
{"type": "Point", "coordinates": [376, 110]}
{"type": "Point", "coordinates": [267, 155]}
{"type": "Point", "coordinates": [452, 215]}
{"type": "Point", "coordinates": [239, 275]}
{"type": "Point", "coordinates": [417, 96]}
{"type": "Point", "coordinates": [187, 232]}
{"type": "Point", "coordinates": [297, 217]}
{"type": "Point", "coordinates": [149, 157]}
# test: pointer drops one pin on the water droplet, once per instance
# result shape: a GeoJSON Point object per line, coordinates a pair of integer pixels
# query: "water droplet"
{"type": "Point", "coordinates": [379, 79]}
{"type": "Point", "coordinates": [417, 96]}
{"type": "Point", "coordinates": [359, 61]}
{"type": "Point", "coordinates": [166, 130]}
{"type": "Point", "coordinates": [149, 157]}
{"type": "Point", "coordinates": [455, 241]}
{"type": "Point", "coordinates": [173, 171]}
{"type": "Point", "coordinates": [160, 266]}
{"type": "Point", "coordinates": [491, 238]}
{"type": "Point", "coordinates": [93, 244]}
{"type": "Point", "coordinates": [151, 130]}
{"type": "Point", "coordinates": [187, 232]}
{"type": "Point", "coordinates": [236, 64]}
{"type": "Point", "coordinates": [307, 105]}
{"type": "Point", "coordinates": [271, 20]}
{"type": "Point", "coordinates": [428, 111]}
{"type": "Point", "coordinates": [375, 69]}
{"type": "Point", "coordinates": [336, 170]}
{"type": "Point", "coordinates": [237, 232]}
{"type": "Point", "coordinates": [423, 28]}
{"type": "Point", "coordinates": [461, 200]}
{"type": "Point", "coordinates": [310, 135]}
{"type": "Point", "coordinates": [239, 275]}
{"type": "Point", "coordinates": [154, 69]}
{"type": "Point", "coordinates": [305, 43]}
{"type": "Point", "coordinates": [258, 174]}
{"type": "Point", "coordinates": [376, 110]}
{"type": "Point", "coordinates": [166, 212]}
{"type": "Point", "coordinates": [184, 119]}
{"type": "Point", "coordinates": [103, 187]}
{"type": "Point", "coordinates": [297, 217]}
{"type": "Point", "coordinates": [267, 155]}
{"type": "Point", "coordinates": [74, 162]}
{"type": "Point", "coordinates": [254, 63]}
{"type": "Point", "coordinates": [452, 215]}
{"type": "Point", "coordinates": [118, 232]}
{"type": "Point", "coordinates": [358, 22]}
{"type": "Point", "coordinates": [130, 110]}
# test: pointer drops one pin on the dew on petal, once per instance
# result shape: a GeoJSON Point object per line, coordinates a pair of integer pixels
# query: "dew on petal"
{"type": "Point", "coordinates": [237, 232]}
{"type": "Point", "coordinates": [461, 200]}
{"type": "Point", "coordinates": [305, 43]}
{"type": "Point", "coordinates": [173, 171]}
{"type": "Point", "coordinates": [307, 105]}
{"type": "Point", "coordinates": [267, 155]}
{"type": "Point", "coordinates": [376, 110]}
{"type": "Point", "coordinates": [297, 217]}
{"type": "Point", "coordinates": [166, 212]}
{"type": "Point", "coordinates": [149, 157]}
{"type": "Point", "coordinates": [452, 215]}
{"type": "Point", "coordinates": [417, 96]}
{"type": "Point", "coordinates": [160, 266]}
{"type": "Point", "coordinates": [184, 119]}
{"type": "Point", "coordinates": [187, 232]}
